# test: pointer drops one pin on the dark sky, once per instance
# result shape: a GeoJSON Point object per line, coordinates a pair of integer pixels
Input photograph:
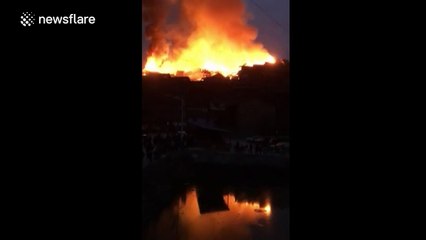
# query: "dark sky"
{"type": "Point", "coordinates": [272, 20]}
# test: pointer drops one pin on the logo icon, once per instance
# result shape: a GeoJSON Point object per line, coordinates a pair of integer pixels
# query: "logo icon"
{"type": "Point", "coordinates": [27, 19]}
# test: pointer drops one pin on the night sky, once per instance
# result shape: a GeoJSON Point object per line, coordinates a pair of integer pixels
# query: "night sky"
{"type": "Point", "coordinates": [273, 36]}
{"type": "Point", "coordinates": [271, 18]}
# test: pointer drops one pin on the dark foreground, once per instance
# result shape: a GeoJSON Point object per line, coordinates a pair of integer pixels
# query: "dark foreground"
{"type": "Point", "coordinates": [187, 201]}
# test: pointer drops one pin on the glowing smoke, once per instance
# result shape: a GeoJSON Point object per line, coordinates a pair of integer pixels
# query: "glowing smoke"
{"type": "Point", "coordinates": [191, 35]}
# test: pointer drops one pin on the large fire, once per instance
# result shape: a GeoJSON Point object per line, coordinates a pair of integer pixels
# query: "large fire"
{"type": "Point", "coordinates": [209, 36]}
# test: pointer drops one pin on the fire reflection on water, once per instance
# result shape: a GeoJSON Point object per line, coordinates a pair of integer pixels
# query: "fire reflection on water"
{"type": "Point", "coordinates": [184, 220]}
{"type": "Point", "coordinates": [243, 206]}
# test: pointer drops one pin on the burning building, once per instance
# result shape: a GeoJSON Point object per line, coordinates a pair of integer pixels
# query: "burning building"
{"type": "Point", "coordinates": [242, 91]}
{"type": "Point", "coordinates": [255, 104]}
{"type": "Point", "coordinates": [190, 37]}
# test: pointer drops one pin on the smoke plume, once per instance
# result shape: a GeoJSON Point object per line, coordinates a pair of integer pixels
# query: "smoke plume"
{"type": "Point", "coordinates": [194, 34]}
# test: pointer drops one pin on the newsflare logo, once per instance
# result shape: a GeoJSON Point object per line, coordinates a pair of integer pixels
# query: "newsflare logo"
{"type": "Point", "coordinates": [27, 19]}
{"type": "Point", "coordinates": [30, 19]}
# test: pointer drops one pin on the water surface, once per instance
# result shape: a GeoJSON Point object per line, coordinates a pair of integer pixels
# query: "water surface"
{"type": "Point", "coordinates": [200, 214]}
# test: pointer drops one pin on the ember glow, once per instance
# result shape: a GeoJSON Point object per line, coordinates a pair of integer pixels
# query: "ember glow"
{"type": "Point", "coordinates": [210, 35]}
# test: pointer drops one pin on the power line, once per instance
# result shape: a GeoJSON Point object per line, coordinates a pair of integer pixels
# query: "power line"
{"type": "Point", "coordinates": [266, 14]}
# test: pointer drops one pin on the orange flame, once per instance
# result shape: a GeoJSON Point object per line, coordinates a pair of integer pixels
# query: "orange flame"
{"type": "Point", "coordinates": [214, 58]}
{"type": "Point", "coordinates": [220, 41]}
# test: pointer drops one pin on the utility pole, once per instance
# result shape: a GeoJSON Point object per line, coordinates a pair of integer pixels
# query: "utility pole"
{"type": "Point", "coordinates": [182, 109]}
